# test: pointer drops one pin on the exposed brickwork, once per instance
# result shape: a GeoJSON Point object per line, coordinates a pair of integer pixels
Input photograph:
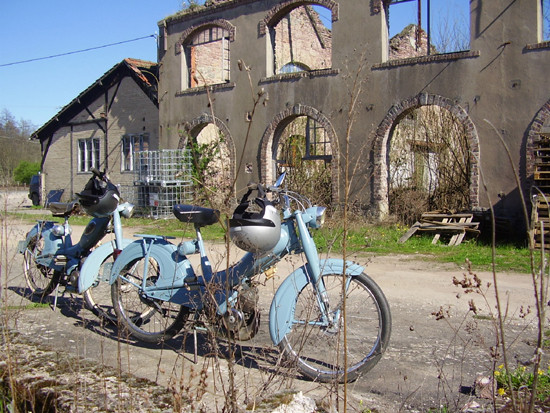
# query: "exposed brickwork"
{"type": "Point", "coordinates": [187, 34]}
{"type": "Point", "coordinates": [535, 46]}
{"type": "Point", "coordinates": [382, 135]}
{"type": "Point", "coordinates": [277, 12]}
{"type": "Point", "coordinates": [300, 37]}
{"type": "Point", "coordinates": [270, 140]}
{"type": "Point", "coordinates": [427, 59]}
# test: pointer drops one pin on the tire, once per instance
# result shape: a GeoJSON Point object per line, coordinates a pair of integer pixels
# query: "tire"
{"type": "Point", "coordinates": [318, 351]}
{"type": "Point", "coordinates": [40, 279]}
{"type": "Point", "coordinates": [148, 320]}
{"type": "Point", "coordinates": [98, 297]}
{"type": "Point", "coordinates": [35, 199]}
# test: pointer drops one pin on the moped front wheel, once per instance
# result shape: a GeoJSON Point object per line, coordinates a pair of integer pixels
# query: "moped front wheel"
{"type": "Point", "coordinates": [351, 341]}
{"type": "Point", "coordinates": [40, 279]}
{"type": "Point", "coordinates": [148, 320]}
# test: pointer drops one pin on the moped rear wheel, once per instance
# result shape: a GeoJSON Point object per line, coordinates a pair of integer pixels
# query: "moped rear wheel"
{"type": "Point", "coordinates": [325, 352]}
{"type": "Point", "coordinates": [149, 320]}
{"type": "Point", "coordinates": [40, 279]}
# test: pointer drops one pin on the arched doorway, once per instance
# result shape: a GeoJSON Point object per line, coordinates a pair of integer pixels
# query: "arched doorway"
{"type": "Point", "coordinates": [427, 151]}
{"type": "Point", "coordinates": [302, 142]}
{"type": "Point", "coordinates": [213, 155]}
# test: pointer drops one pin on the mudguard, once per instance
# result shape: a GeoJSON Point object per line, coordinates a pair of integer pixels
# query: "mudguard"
{"type": "Point", "coordinates": [89, 273]}
{"type": "Point", "coordinates": [284, 301]}
{"type": "Point", "coordinates": [174, 269]}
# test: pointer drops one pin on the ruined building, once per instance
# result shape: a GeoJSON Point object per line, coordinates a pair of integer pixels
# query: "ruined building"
{"type": "Point", "coordinates": [282, 87]}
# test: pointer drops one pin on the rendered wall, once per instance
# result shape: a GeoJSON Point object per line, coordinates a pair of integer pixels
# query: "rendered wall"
{"type": "Point", "coordinates": [502, 79]}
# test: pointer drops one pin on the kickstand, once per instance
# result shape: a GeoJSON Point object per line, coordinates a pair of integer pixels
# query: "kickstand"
{"type": "Point", "coordinates": [55, 297]}
{"type": "Point", "coordinates": [196, 359]}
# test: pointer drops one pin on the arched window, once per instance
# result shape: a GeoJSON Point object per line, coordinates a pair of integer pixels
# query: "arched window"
{"type": "Point", "coordinates": [304, 35]}
{"type": "Point", "coordinates": [293, 68]}
{"type": "Point", "coordinates": [206, 58]}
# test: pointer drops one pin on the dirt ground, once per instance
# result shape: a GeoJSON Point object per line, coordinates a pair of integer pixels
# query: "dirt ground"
{"type": "Point", "coordinates": [436, 352]}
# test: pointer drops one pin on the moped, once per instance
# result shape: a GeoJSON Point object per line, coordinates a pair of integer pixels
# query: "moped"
{"type": "Point", "coordinates": [50, 258]}
{"type": "Point", "coordinates": [328, 317]}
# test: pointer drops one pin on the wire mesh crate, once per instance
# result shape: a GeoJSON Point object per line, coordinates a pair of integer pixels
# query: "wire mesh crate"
{"type": "Point", "coordinates": [163, 179]}
{"type": "Point", "coordinates": [164, 167]}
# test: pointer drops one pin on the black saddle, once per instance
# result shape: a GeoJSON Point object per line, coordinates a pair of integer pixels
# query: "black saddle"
{"type": "Point", "coordinates": [197, 215]}
{"type": "Point", "coordinates": [62, 209]}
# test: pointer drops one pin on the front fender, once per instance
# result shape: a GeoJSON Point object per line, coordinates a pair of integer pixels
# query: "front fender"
{"type": "Point", "coordinates": [89, 273]}
{"type": "Point", "coordinates": [283, 305]}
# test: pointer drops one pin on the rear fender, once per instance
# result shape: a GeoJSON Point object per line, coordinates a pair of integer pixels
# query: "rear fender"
{"type": "Point", "coordinates": [283, 305]}
{"type": "Point", "coordinates": [174, 270]}
{"type": "Point", "coordinates": [89, 273]}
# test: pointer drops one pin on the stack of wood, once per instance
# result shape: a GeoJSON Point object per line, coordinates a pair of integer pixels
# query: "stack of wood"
{"type": "Point", "coordinates": [540, 220]}
{"type": "Point", "coordinates": [457, 226]}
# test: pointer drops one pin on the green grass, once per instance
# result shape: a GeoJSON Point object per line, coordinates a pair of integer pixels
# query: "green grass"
{"type": "Point", "coordinates": [362, 238]}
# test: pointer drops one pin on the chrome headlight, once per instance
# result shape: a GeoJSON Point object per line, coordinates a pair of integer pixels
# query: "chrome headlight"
{"type": "Point", "coordinates": [59, 230]}
{"type": "Point", "coordinates": [126, 209]}
{"type": "Point", "coordinates": [320, 219]}
{"type": "Point", "coordinates": [317, 214]}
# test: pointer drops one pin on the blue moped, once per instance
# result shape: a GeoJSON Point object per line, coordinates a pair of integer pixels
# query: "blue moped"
{"type": "Point", "coordinates": [328, 317]}
{"type": "Point", "coordinates": [50, 258]}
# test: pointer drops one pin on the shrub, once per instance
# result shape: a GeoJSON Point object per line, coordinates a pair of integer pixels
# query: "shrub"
{"type": "Point", "coordinates": [25, 170]}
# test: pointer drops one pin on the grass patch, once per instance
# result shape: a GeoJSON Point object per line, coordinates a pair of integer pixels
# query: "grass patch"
{"type": "Point", "coordinates": [362, 238]}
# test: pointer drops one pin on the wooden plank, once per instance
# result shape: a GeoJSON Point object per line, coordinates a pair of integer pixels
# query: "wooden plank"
{"type": "Point", "coordinates": [438, 235]}
{"type": "Point", "coordinates": [409, 233]}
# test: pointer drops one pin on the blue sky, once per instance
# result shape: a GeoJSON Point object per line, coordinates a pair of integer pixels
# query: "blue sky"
{"type": "Point", "coordinates": [36, 91]}
{"type": "Point", "coordinates": [31, 29]}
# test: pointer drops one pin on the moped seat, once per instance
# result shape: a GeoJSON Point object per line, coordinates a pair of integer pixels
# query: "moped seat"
{"type": "Point", "coordinates": [62, 209]}
{"type": "Point", "coordinates": [197, 215]}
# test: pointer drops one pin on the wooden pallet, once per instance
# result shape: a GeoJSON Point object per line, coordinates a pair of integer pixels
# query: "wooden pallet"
{"type": "Point", "coordinates": [454, 225]}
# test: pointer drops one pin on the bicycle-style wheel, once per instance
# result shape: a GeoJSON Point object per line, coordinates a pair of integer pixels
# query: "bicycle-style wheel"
{"type": "Point", "coordinates": [148, 320]}
{"type": "Point", "coordinates": [98, 296]}
{"type": "Point", "coordinates": [40, 279]}
{"type": "Point", "coordinates": [322, 352]}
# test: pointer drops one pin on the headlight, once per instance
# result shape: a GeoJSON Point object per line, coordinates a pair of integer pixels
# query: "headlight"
{"type": "Point", "coordinates": [320, 220]}
{"type": "Point", "coordinates": [317, 216]}
{"type": "Point", "coordinates": [126, 209]}
{"type": "Point", "coordinates": [59, 230]}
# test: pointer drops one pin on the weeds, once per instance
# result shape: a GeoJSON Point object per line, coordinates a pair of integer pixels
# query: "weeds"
{"type": "Point", "coordinates": [521, 379]}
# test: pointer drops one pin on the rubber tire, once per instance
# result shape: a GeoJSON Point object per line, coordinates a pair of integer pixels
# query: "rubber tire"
{"type": "Point", "coordinates": [384, 319]}
{"type": "Point", "coordinates": [32, 270]}
{"type": "Point", "coordinates": [126, 322]}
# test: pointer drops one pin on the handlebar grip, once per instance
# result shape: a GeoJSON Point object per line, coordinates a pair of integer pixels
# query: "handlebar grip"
{"type": "Point", "coordinates": [96, 172]}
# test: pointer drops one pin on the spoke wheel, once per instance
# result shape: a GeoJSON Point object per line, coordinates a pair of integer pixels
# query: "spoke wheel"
{"type": "Point", "coordinates": [148, 320]}
{"type": "Point", "coordinates": [318, 350]}
{"type": "Point", "coordinates": [40, 279]}
{"type": "Point", "coordinates": [98, 296]}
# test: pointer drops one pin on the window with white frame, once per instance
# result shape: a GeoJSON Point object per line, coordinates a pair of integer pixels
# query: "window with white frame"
{"type": "Point", "coordinates": [88, 154]}
{"type": "Point", "coordinates": [131, 145]}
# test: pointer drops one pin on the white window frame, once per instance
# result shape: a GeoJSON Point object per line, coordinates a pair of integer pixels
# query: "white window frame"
{"type": "Point", "coordinates": [130, 145]}
{"type": "Point", "coordinates": [89, 152]}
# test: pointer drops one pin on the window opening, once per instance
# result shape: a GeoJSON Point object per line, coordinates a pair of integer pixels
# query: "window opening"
{"type": "Point", "coordinates": [303, 35]}
{"type": "Point", "coordinates": [88, 154]}
{"type": "Point", "coordinates": [131, 145]}
{"type": "Point", "coordinates": [429, 164]}
{"type": "Point", "coordinates": [304, 149]}
{"type": "Point", "coordinates": [293, 68]}
{"type": "Point", "coordinates": [444, 25]}
{"type": "Point", "coordinates": [208, 57]}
